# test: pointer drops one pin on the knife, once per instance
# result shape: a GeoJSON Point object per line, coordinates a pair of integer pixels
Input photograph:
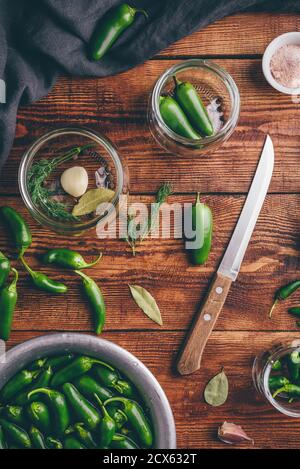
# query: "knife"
{"type": "Point", "coordinates": [190, 358]}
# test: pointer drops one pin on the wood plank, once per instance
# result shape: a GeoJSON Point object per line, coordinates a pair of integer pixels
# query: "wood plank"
{"type": "Point", "coordinates": [196, 421]}
{"type": "Point", "coordinates": [234, 35]}
{"type": "Point", "coordinates": [161, 266]}
{"type": "Point", "coordinates": [117, 107]}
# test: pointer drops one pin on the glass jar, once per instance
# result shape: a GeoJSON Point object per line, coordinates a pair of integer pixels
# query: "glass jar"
{"type": "Point", "coordinates": [101, 161]}
{"type": "Point", "coordinates": [219, 94]}
{"type": "Point", "coordinates": [261, 371]}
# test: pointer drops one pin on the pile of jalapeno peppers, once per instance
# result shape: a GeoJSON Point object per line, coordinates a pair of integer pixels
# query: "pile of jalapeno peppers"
{"type": "Point", "coordinates": [72, 402]}
{"type": "Point", "coordinates": [185, 112]}
{"type": "Point", "coordinates": [59, 257]}
{"type": "Point", "coordinates": [284, 380]}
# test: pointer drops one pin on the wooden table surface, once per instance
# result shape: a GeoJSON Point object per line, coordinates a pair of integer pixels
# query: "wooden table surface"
{"type": "Point", "coordinates": [117, 106]}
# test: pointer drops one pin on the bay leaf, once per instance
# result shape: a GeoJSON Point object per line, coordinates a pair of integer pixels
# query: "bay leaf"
{"type": "Point", "coordinates": [146, 302]}
{"type": "Point", "coordinates": [216, 391]}
{"type": "Point", "coordinates": [89, 202]}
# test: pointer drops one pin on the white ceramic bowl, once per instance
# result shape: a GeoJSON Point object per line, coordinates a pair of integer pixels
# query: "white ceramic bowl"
{"type": "Point", "coordinates": [284, 39]}
{"type": "Point", "coordinates": [155, 399]}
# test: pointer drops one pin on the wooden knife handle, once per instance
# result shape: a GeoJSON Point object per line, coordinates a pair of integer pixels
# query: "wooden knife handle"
{"type": "Point", "coordinates": [201, 329]}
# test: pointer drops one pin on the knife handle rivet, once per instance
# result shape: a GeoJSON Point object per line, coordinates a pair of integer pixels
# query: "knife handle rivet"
{"type": "Point", "coordinates": [219, 290]}
{"type": "Point", "coordinates": [207, 317]}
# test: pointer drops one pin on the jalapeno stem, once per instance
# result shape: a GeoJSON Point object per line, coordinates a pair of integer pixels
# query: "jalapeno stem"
{"type": "Point", "coordinates": [40, 390]}
{"type": "Point", "coordinates": [278, 391]}
{"type": "Point", "coordinates": [92, 263]}
{"type": "Point", "coordinates": [116, 399]}
{"type": "Point", "coordinates": [29, 270]}
{"type": "Point", "coordinates": [273, 307]}
{"type": "Point", "coordinates": [13, 284]}
{"type": "Point", "coordinates": [144, 12]}
{"type": "Point", "coordinates": [103, 409]}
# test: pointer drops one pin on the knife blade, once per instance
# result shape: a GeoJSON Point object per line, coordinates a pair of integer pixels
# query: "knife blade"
{"type": "Point", "coordinates": [191, 355]}
{"type": "Point", "coordinates": [233, 257]}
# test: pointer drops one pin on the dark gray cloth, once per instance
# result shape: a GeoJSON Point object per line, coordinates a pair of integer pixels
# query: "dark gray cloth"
{"type": "Point", "coordinates": [40, 39]}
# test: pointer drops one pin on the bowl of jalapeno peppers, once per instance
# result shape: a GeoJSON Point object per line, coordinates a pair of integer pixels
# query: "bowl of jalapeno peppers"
{"type": "Point", "coordinates": [193, 108]}
{"type": "Point", "coordinates": [75, 391]}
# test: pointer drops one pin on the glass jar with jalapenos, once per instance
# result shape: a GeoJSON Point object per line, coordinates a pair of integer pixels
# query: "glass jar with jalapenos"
{"type": "Point", "coordinates": [193, 108]}
{"type": "Point", "coordinates": [276, 375]}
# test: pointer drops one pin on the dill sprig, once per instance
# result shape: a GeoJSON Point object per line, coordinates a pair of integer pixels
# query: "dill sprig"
{"type": "Point", "coordinates": [149, 225]}
{"type": "Point", "coordinates": [40, 195]}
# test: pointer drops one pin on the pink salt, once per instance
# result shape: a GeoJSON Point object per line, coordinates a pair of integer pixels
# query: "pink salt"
{"type": "Point", "coordinates": [285, 66]}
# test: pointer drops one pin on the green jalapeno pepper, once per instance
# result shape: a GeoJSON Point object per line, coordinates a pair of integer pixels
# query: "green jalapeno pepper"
{"type": "Point", "coordinates": [39, 416]}
{"type": "Point", "coordinates": [202, 225]}
{"type": "Point", "coordinates": [136, 418]}
{"type": "Point", "coordinates": [53, 443]}
{"type": "Point", "coordinates": [3, 444]}
{"type": "Point", "coordinates": [107, 376]}
{"type": "Point", "coordinates": [14, 414]}
{"type": "Point", "coordinates": [123, 442]}
{"type": "Point", "coordinates": [59, 408]}
{"type": "Point", "coordinates": [111, 26]}
{"type": "Point", "coordinates": [42, 381]}
{"type": "Point", "coordinates": [295, 310]}
{"type": "Point", "coordinates": [125, 388]}
{"type": "Point", "coordinates": [16, 434]}
{"type": "Point", "coordinates": [293, 364]}
{"type": "Point", "coordinates": [84, 436]}
{"type": "Point", "coordinates": [59, 361]}
{"type": "Point", "coordinates": [19, 229]}
{"type": "Point", "coordinates": [96, 300]}
{"type": "Point", "coordinates": [276, 382]}
{"type": "Point", "coordinates": [88, 386]}
{"type": "Point", "coordinates": [191, 103]}
{"type": "Point", "coordinates": [283, 293]}
{"type": "Point", "coordinates": [291, 389]}
{"type": "Point", "coordinates": [42, 282]}
{"type": "Point", "coordinates": [17, 384]}
{"type": "Point", "coordinates": [107, 426]}
{"type": "Point", "coordinates": [37, 438]}
{"type": "Point", "coordinates": [118, 415]}
{"type": "Point", "coordinates": [77, 367]}
{"type": "Point", "coordinates": [277, 365]}
{"type": "Point", "coordinates": [72, 443]}
{"type": "Point", "coordinates": [37, 364]}
{"type": "Point", "coordinates": [83, 409]}
{"type": "Point", "coordinates": [4, 269]}
{"type": "Point", "coordinates": [174, 118]}
{"type": "Point", "coordinates": [110, 378]}
{"type": "Point", "coordinates": [8, 301]}
{"type": "Point", "coordinates": [69, 259]}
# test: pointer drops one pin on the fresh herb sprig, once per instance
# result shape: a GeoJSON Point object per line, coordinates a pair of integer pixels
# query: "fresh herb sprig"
{"type": "Point", "coordinates": [40, 195]}
{"type": "Point", "coordinates": [149, 225]}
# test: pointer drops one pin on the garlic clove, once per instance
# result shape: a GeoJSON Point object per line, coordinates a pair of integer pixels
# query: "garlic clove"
{"type": "Point", "coordinates": [75, 181]}
{"type": "Point", "coordinates": [232, 434]}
